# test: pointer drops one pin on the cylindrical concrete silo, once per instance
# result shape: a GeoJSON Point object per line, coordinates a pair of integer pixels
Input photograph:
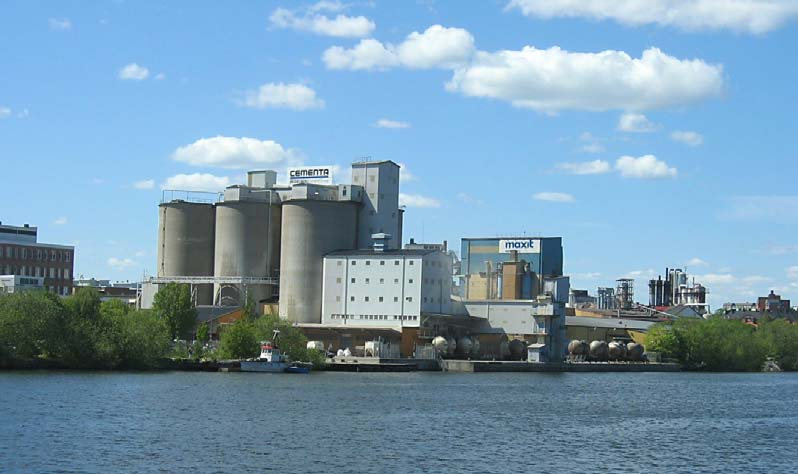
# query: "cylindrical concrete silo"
{"type": "Point", "coordinates": [185, 243]}
{"type": "Point", "coordinates": [310, 230]}
{"type": "Point", "coordinates": [247, 245]}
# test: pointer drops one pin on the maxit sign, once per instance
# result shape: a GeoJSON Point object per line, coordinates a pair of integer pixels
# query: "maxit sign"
{"type": "Point", "coordinates": [519, 245]}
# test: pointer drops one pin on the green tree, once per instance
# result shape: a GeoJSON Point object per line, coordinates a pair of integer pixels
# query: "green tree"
{"type": "Point", "coordinates": [31, 325]}
{"type": "Point", "coordinates": [238, 341]}
{"type": "Point", "coordinates": [203, 333]}
{"type": "Point", "coordinates": [173, 304]}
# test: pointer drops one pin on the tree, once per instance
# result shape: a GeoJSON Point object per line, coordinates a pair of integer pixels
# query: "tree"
{"type": "Point", "coordinates": [239, 341]}
{"type": "Point", "coordinates": [32, 324]}
{"type": "Point", "coordinates": [203, 333]}
{"type": "Point", "coordinates": [173, 305]}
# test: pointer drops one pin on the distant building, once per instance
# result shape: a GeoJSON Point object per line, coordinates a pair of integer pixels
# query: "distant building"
{"type": "Point", "coordinates": [22, 255]}
{"type": "Point", "coordinates": [580, 299]}
{"type": "Point", "coordinates": [734, 307]}
{"type": "Point", "coordinates": [772, 303]}
{"type": "Point", "coordinates": [676, 289]}
{"type": "Point", "coordinates": [127, 292]}
{"type": "Point", "coordinates": [14, 283]}
{"type": "Point", "coordinates": [605, 298]}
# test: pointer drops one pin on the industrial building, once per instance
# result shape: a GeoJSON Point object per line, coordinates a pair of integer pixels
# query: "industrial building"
{"type": "Point", "coordinates": [15, 283]}
{"type": "Point", "coordinates": [330, 256]}
{"type": "Point", "coordinates": [21, 254]}
{"type": "Point", "coordinates": [677, 290]}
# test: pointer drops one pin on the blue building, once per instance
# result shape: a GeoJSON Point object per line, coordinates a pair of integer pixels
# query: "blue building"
{"type": "Point", "coordinates": [508, 267]}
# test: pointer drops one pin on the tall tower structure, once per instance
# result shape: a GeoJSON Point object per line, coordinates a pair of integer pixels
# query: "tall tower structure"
{"type": "Point", "coordinates": [380, 211]}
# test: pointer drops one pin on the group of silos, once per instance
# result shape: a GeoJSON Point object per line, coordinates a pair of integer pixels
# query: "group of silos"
{"type": "Point", "coordinates": [600, 351]}
{"type": "Point", "coordinates": [235, 238]}
{"type": "Point", "coordinates": [255, 235]}
{"type": "Point", "coordinates": [469, 346]}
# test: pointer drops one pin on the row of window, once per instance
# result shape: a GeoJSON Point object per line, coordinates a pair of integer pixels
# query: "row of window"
{"type": "Point", "coordinates": [377, 317]}
{"type": "Point", "coordinates": [367, 299]}
{"type": "Point", "coordinates": [368, 281]}
{"type": "Point", "coordinates": [25, 270]}
{"type": "Point", "coordinates": [25, 253]}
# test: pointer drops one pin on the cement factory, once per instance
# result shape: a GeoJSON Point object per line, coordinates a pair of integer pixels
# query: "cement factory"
{"type": "Point", "coordinates": [329, 258]}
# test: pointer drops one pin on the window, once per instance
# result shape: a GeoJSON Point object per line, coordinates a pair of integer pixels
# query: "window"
{"type": "Point", "coordinates": [368, 262]}
{"type": "Point", "coordinates": [338, 280]}
{"type": "Point", "coordinates": [340, 263]}
{"type": "Point", "coordinates": [410, 281]}
{"type": "Point", "coordinates": [395, 299]}
{"type": "Point", "coordinates": [353, 280]}
{"type": "Point", "coordinates": [354, 263]}
{"type": "Point", "coordinates": [409, 299]}
{"type": "Point", "coordinates": [411, 263]}
{"type": "Point", "coordinates": [396, 280]}
{"type": "Point", "coordinates": [351, 298]}
{"type": "Point", "coordinates": [381, 299]}
{"type": "Point", "coordinates": [337, 299]}
{"type": "Point", "coordinates": [343, 191]}
{"type": "Point", "coordinates": [368, 280]}
{"type": "Point", "coordinates": [396, 262]}
{"type": "Point", "coordinates": [382, 262]}
{"type": "Point", "coordinates": [382, 281]}
{"type": "Point", "coordinates": [425, 299]}
{"type": "Point", "coordinates": [366, 299]}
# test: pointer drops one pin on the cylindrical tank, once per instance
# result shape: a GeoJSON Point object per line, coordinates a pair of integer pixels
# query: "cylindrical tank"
{"type": "Point", "coordinates": [475, 347]}
{"type": "Point", "coordinates": [186, 243]}
{"type": "Point", "coordinates": [464, 346]}
{"type": "Point", "coordinates": [598, 350]}
{"type": "Point", "coordinates": [440, 344]}
{"type": "Point", "coordinates": [616, 350]}
{"type": "Point", "coordinates": [452, 347]}
{"type": "Point", "coordinates": [247, 245]}
{"type": "Point", "coordinates": [518, 349]}
{"type": "Point", "coordinates": [504, 349]}
{"type": "Point", "coordinates": [634, 351]}
{"type": "Point", "coordinates": [310, 230]}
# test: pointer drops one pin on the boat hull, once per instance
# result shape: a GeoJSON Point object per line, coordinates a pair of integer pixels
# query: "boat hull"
{"type": "Point", "coordinates": [263, 366]}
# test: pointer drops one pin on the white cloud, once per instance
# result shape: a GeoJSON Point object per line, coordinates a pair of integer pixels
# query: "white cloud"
{"type": "Point", "coordinates": [328, 6]}
{"type": "Point", "coordinates": [141, 253]}
{"type": "Point", "coordinates": [59, 24]}
{"type": "Point", "coordinates": [239, 153]}
{"type": "Point", "coordinates": [436, 47]}
{"type": "Point", "coordinates": [469, 199]}
{"type": "Point", "coordinates": [405, 175]}
{"type": "Point", "coordinates": [587, 167]}
{"type": "Point", "coordinates": [5, 112]}
{"type": "Point", "coordinates": [554, 79]}
{"type": "Point", "coordinates": [761, 208]}
{"type": "Point", "coordinates": [594, 147]}
{"type": "Point", "coordinates": [342, 26]}
{"type": "Point", "coordinates": [283, 96]}
{"type": "Point", "coordinates": [61, 221]}
{"type": "Point", "coordinates": [196, 182]}
{"type": "Point", "coordinates": [644, 167]}
{"type": "Point", "coordinates": [144, 184]}
{"type": "Point", "coordinates": [417, 200]}
{"type": "Point", "coordinates": [792, 272]}
{"type": "Point", "coordinates": [782, 249]}
{"type": "Point", "coordinates": [133, 72]}
{"type": "Point", "coordinates": [688, 138]}
{"type": "Point", "coordinates": [635, 123]}
{"type": "Point", "coordinates": [716, 279]}
{"type": "Point", "coordinates": [387, 123]}
{"type": "Point", "coordinates": [160, 76]}
{"type": "Point", "coordinates": [553, 197]}
{"type": "Point", "coordinates": [647, 274]}
{"type": "Point", "coordinates": [587, 276]}
{"type": "Point", "coordinates": [750, 16]}
{"type": "Point", "coordinates": [696, 262]}
{"type": "Point", "coordinates": [121, 263]}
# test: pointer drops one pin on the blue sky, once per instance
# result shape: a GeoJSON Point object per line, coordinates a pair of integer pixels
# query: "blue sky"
{"type": "Point", "coordinates": [645, 133]}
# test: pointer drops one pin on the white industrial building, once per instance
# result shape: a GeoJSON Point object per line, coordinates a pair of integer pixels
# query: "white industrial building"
{"type": "Point", "coordinates": [385, 288]}
{"type": "Point", "coordinates": [16, 283]}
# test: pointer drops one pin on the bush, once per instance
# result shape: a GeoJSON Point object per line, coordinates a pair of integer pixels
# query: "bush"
{"type": "Point", "coordinates": [239, 341]}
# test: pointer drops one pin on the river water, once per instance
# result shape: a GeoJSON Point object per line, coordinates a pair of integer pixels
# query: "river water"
{"type": "Point", "coordinates": [410, 422]}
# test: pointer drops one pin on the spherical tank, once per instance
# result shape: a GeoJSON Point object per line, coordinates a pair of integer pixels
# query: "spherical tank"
{"type": "Point", "coordinates": [634, 351]}
{"type": "Point", "coordinates": [185, 243]}
{"type": "Point", "coordinates": [504, 349]}
{"type": "Point", "coordinates": [440, 344]}
{"type": "Point", "coordinates": [598, 350]}
{"type": "Point", "coordinates": [616, 350]}
{"type": "Point", "coordinates": [575, 347]}
{"type": "Point", "coordinates": [517, 349]}
{"type": "Point", "coordinates": [464, 346]}
{"type": "Point", "coordinates": [452, 347]}
{"type": "Point", "coordinates": [310, 230]}
{"type": "Point", "coordinates": [247, 245]}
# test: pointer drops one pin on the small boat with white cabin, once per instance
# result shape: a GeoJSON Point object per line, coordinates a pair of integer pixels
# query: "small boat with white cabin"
{"type": "Point", "coordinates": [270, 360]}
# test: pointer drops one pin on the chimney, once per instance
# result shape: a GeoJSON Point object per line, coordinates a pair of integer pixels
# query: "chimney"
{"type": "Point", "coordinates": [445, 246]}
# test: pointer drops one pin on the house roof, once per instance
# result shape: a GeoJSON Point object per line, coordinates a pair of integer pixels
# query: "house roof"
{"type": "Point", "coordinates": [210, 313]}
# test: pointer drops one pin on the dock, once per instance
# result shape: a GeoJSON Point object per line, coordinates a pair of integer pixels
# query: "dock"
{"type": "Point", "coordinates": [451, 365]}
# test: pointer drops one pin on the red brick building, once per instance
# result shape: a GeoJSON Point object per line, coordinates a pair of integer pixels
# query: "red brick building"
{"type": "Point", "coordinates": [21, 254]}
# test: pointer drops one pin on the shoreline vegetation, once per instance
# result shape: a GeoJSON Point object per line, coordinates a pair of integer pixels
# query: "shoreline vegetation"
{"type": "Point", "coordinates": [726, 345]}
{"type": "Point", "coordinates": [41, 330]}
